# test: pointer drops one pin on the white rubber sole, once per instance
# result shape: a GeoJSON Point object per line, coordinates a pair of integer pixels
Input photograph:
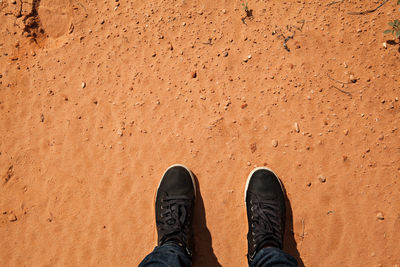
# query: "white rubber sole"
{"type": "Point", "coordinates": [177, 165]}
{"type": "Point", "coordinates": [251, 174]}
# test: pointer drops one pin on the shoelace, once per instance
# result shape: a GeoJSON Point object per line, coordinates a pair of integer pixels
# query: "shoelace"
{"type": "Point", "coordinates": [265, 222]}
{"type": "Point", "coordinates": [174, 217]}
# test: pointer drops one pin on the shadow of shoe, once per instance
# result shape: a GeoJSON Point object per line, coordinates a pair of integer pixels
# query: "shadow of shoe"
{"type": "Point", "coordinates": [203, 251]}
{"type": "Point", "coordinates": [289, 243]}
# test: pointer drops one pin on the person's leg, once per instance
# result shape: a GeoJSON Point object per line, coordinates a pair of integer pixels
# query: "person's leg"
{"type": "Point", "coordinates": [266, 211]}
{"type": "Point", "coordinates": [167, 255]}
{"type": "Point", "coordinates": [273, 257]}
{"type": "Point", "coordinates": [174, 206]}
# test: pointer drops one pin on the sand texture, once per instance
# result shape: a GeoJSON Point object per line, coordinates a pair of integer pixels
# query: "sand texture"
{"type": "Point", "coordinates": [98, 98]}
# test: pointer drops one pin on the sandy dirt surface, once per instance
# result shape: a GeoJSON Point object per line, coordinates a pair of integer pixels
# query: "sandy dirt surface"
{"type": "Point", "coordinates": [98, 98]}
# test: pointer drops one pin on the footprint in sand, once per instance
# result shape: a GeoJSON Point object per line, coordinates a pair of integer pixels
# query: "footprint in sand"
{"type": "Point", "coordinates": [55, 17]}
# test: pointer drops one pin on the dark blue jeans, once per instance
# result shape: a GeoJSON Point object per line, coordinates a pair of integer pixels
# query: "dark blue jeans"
{"type": "Point", "coordinates": [174, 256]}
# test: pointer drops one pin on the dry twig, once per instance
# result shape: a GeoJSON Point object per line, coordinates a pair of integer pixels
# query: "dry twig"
{"type": "Point", "coordinates": [334, 2]}
{"type": "Point", "coordinates": [343, 91]}
{"type": "Point", "coordinates": [369, 11]}
{"type": "Point", "coordinates": [289, 28]}
{"type": "Point", "coordinates": [302, 227]}
{"type": "Point", "coordinates": [337, 80]}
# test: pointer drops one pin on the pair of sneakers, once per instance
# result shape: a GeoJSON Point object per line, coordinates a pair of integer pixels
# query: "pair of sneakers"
{"type": "Point", "coordinates": [265, 204]}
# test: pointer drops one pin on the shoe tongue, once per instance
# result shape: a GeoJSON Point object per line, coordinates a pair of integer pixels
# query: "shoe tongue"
{"type": "Point", "coordinates": [266, 196]}
{"type": "Point", "coordinates": [179, 214]}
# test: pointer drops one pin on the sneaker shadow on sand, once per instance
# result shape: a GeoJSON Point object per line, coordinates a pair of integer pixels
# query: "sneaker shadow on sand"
{"type": "Point", "coordinates": [203, 251]}
{"type": "Point", "coordinates": [289, 242]}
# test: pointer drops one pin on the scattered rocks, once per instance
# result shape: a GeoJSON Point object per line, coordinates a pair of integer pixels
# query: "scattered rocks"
{"type": "Point", "coordinates": [380, 216]}
{"type": "Point", "coordinates": [247, 58]}
{"type": "Point", "coordinates": [321, 178]}
{"type": "Point", "coordinates": [274, 143]}
{"type": "Point", "coordinates": [296, 127]}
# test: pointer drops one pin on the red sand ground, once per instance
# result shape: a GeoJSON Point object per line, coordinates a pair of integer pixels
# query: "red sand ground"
{"type": "Point", "coordinates": [79, 166]}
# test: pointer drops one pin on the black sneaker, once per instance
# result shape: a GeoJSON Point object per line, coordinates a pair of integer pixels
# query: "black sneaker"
{"type": "Point", "coordinates": [265, 205]}
{"type": "Point", "coordinates": [175, 199]}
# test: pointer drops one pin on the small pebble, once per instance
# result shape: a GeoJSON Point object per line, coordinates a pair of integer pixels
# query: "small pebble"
{"type": "Point", "coordinates": [274, 143]}
{"type": "Point", "coordinates": [379, 216]}
{"type": "Point", "coordinates": [346, 132]}
{"type": "Point", "coordinates": [296, 127]}
{"type": "Point", "coordinates": [12, 217]}
{"type": "Point", "coordinates": [321, 178]}
{"type": "Point", "coordinates": [384, 45]}
{"type": "Point", "coordinates": [83, 85]}
{"type": "Point", "coordinates": [249, 56]}
{"type": "Point", "coordinates": [193, 74]}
